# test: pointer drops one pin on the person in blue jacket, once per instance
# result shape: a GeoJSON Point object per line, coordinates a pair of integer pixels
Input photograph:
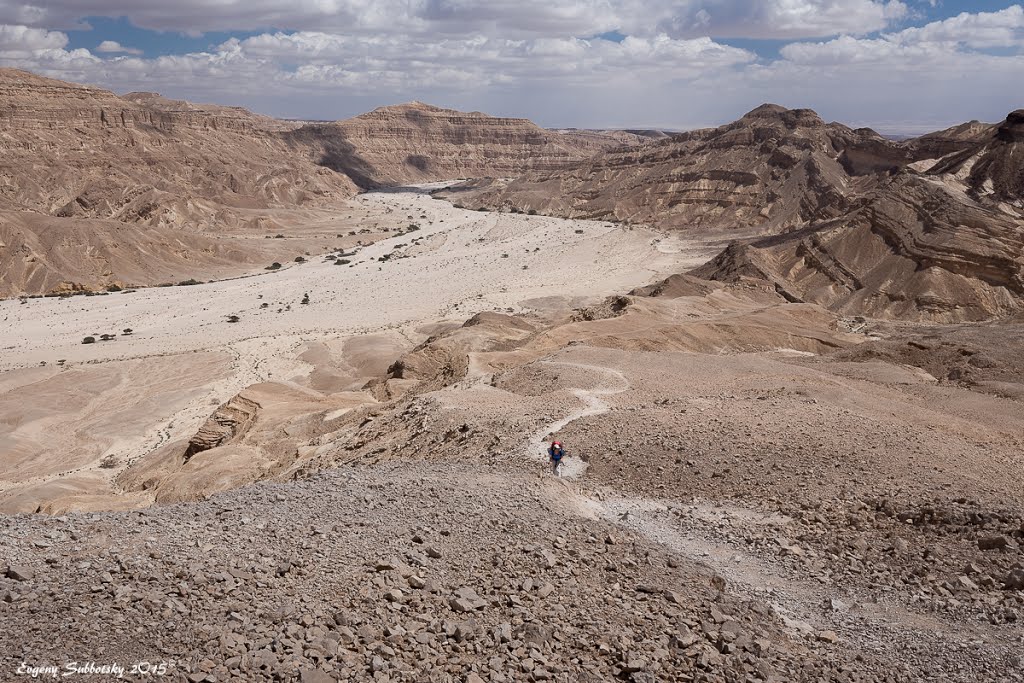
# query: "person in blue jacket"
{"type": "Point", "coordinates": [556, 452]}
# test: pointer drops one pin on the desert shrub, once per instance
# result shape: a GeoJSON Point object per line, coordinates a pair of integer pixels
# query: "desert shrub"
{"type": "Point", "coordinates": [126, 331]}
{"type": "Point", "coordinates": [109, 462]}
{"type": "Point", "coordinates": [189, 282]}
{"type": "Point", "coordinates": [107, 337]}
{"type": "Point", "coordinates": [278, 236]}
{"type": "Point", "coordinates": [299, 259]}
{"type": "Point", "coordinates": [89, 340]}
{"type": "Point", "coordinates": [305, 298]}
{"type": "Point", "coordinates": [233, 318]}
{"type": "Point", "coordinates": [532, 212]}
{"type": "Point", "coordinates": [342, 262]}
{"type": "Point", "coordinates": [273, 266]}
{"type": "Point", "coordinates": [113, 288]}
{"type": "Point", "coordinates": [578, 231]}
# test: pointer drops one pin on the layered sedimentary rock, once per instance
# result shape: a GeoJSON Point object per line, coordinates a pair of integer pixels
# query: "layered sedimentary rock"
{"type": "Point", "coordinates": [77, 151]}
{"type": "Point", "coordinates": [773, 169]}
{"type": "Point", "coordinates": [417, 142]}
{"type": "Point", "coordinates": [916, 250]}
{"type": "Point", "coordinates": [992, 169]}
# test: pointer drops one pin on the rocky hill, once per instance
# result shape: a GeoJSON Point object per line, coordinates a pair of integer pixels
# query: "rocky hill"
{"type": "Point", "coordinates": [771, 170]}
{"type": "Point", "coordinates": [198, 181]}
{"type": "Point", "coordinates": [943, 245]}
{"type": "Point", "coordinates": [917, 250]}
{"type": "Point", "coordinates": [839, 217]}
{"type": "Point", "coordinates": [80, 152]}
{"type": "Point", "coordinates": [417, 142]}
{"type": "Point", "coordinates": [992, 169]}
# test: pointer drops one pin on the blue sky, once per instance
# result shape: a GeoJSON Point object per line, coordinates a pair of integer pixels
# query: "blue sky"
{"type": "Point", "coordinates": [899, 66]}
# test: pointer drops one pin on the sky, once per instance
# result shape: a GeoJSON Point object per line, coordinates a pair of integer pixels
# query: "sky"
{"type": "Point", "coordinates": [899, 66]}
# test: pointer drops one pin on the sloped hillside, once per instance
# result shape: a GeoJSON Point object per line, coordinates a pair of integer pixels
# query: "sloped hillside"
{"type": "Point", "coordinates": [771, 170]}
{"type": "Point", "coordinates": [918, 250]}
{"type": "Point", "coordinates": [75, 151]}
{"type": "Point", "coordinates": [417, 142]}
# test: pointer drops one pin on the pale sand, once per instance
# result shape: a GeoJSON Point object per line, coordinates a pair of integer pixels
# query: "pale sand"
{"type": "Point", "coordinates": [65, 422]}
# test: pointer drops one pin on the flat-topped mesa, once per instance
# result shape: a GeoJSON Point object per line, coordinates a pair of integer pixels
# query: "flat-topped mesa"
{"type": "Point", "coordinates": [28, 102]}
{"type": "Point", "coordinates": [417, 142]}
{"type": "Point", "coordinates": [80, 152]}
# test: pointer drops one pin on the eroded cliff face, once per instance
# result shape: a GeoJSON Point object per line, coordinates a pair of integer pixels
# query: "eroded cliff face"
{"type": "Point", "coordinates": [773, 169]}
{"type": "Point", "coordinates": [991, 170]}
{"type": "Point", "coordinates": [77, 151]}
{"type": "Point", "coordinates": [915, 251]}
{"type": "Point", "coordinates": [417, 142]}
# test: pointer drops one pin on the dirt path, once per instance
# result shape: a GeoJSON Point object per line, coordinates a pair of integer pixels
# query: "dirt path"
{"type": "Point", "coordinates": [574, 467]}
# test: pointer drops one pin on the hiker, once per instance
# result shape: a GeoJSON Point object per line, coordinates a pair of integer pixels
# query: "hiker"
{"type": "Point", "coordinates": [555, 452]}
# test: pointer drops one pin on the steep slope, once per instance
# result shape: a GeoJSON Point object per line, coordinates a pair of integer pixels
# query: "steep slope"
{"type": "Point", "coordinates": [417, 142]}
{"type": "Point", "coordinates": [773, 169]}
{"type": "Point", "coordinates": [77, 151]}
{"type": "Point", "coordinates": [917, 250]}
{"type": "Point", "coordinates": [955, 139]}
{"type": "Point", "coordinates": [991, 170]}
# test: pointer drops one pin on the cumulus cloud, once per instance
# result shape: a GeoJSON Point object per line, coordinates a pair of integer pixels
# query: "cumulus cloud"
{"type": "Point", "coordinates": [114, 47]}
{"type": "Point", "coordinates": [506, 18]}
{"type": "Point", "coordinates": [667, 70]}
{"type": "Point", "coordinates": [935, 40]}
{"type": "Point", "coordinates": [26, 41]}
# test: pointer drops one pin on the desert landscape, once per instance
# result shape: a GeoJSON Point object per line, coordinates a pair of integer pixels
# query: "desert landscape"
{"type": "Point", "coordinates": [276, 396]}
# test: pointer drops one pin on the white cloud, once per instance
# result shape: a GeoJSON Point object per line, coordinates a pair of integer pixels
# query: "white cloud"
{"type": "Point", "coordinates": [937, 73]}
{"type": "Point", "coordinates": [22, 41]}
{"type": "Point", "coordinates": [778, 18]}
{"type": "Point", "coordinates": [493, 18]}
{"type": "Point", "coordinates": [935, 40]}
{"type": "Point", "coordinates": [114, 47]}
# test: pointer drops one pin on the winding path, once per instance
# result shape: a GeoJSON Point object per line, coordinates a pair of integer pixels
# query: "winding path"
{"type": "Point", "coordinates": [574, 467]}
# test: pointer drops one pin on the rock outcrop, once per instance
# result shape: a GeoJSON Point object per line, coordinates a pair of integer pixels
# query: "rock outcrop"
{"type": "Point", "coordinates": [417, 142]}
{"type": "Point", "coordinates": [771, 170]}
{"type": "Point", "coordinates": [916, 250]}
{"type": "Point", "coordinates": [80, 152]}
{"type": "Point", "coordinates": [228, 423]}
{"type": "Point", "coordinates": [992, 170]}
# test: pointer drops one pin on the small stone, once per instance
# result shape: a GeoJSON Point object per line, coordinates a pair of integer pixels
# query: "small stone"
{"type": "Point", "coordinates": [314, 676]}
{"type": "Point", "coordinates": [433, 552]}
{"type": "Point", "coordinates": [545, 590]}
{"type": "Point", "coordinates": [967, 583]}
{"type": "Point", "coordinates": [387, 564]}
{"type": "Point", "coordinates": [837, 605]}
{"type": "Point", "coordinates": [19, 573]}
{"type": "Point", "coordinates": [828, 637]}
{"type": "Point", "coordinates": [1014, 581]}
{"type": "Point", "coordinates": [992, 542]}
